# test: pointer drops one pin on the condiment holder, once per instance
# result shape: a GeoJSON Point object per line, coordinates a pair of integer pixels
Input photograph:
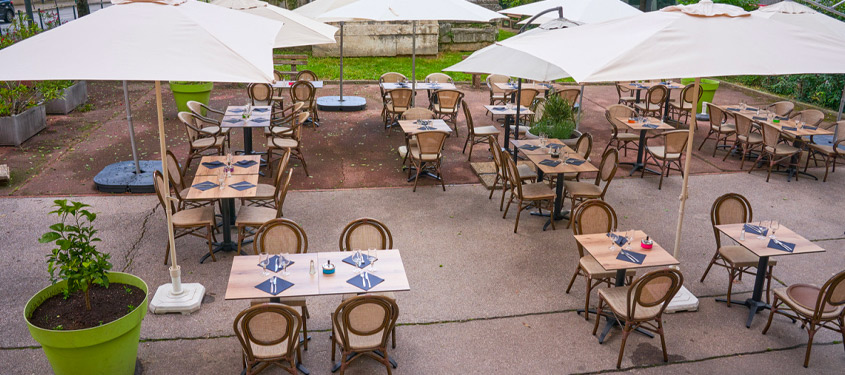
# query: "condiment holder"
{"type": "Point", "coordinates": [328, 268]}
{"type": "Point", "coordinates": [646, 243]}
{"type": "Point", "coordinates": [555, 152]}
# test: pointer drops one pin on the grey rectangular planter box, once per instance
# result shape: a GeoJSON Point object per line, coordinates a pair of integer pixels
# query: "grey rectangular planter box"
{"type": "Point", "coordinates": [16, 129]}
{"type": "Point", "coordinates": [74, 96]}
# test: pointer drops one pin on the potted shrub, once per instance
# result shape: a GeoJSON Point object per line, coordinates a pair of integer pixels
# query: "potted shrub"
{"type": "Point", "coordinates": [185, 91]}
{"type": "Point", "coordinates": [71, 94]}
{"type": "Point", "coordinates": [89, 320]}
{"type": "Point", "coordinates": [558, 120]}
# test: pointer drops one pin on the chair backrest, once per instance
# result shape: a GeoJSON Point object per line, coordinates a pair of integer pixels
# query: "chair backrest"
{"type": "Point", "coordinates": [622, 89]}
{"type": "Point", "coordinates": [493, 79]}
{"type": "Point", "coordinates": [730, 208]}
{"type": "Point", "coordinates": [717, 115]}
{"type": "Point", "coordinates": [771, 135]}
{"type": "Point", "coordinates": [401, 98]}
{"type": "Point", "coordinates": [687, 94]}
{"type": "Point", "coordinates": [584, 145]}
{"type": "Point", "coordinates": [782, 108]}
{"type": "Point", "coordinates": [614, 111]}
{"type": "Point", "coordinates": [431, 142]}
{"type": "Point", "coordinates": [418, 113]}
{"type": "Point", "coordinates": [570, 95]}
{"type": "Point", "coordinates": [607, 168]}
{"type": "Point", "coordinates": [593, 216]}
{"type": "Point", "coordinates": [496, 152]}
{"type": "Point", "coordinates": [653, 289]}
{"type": "Point", "coordinates": [268, 331]}
{"type": "Point", "coordinates": [744, 124]}
{"type": "Point", "coordinates": [302, 91]}
{"type": "Point", "coordinates": [282, 188]}
{"type": "Point", "coordinates": [832, 294]}
{"type": "Point", "coordinates": [281, 235]}
{"type": "Point", "coordinates": [511, 172]}
{"type": "Point", "coordinates": [298, 124]}
{"type": "Point", "coordinates": [306, 75]}
{"type": "Point", "coordinates": [812, 117]}
{"type": "Point", "coordinates": [201, 109]}
{"type": "Point", "coordinates": [160, 188]}
{"type": "Point", "coordinates": [468, 115]}
{"type": "Point", "coordinates": [448, 99]}
{"type": "Point", "coordinates": [675, 141]}
{"type": "Point", "coordinates": [438, 78]}
{"type": "Point", "coordinates": [364, 234]}
{"type": "Point", "coordinates": [278, 76]}
{"type": "Point", "coordinates": [526, 97]}
{"type": "Point", "coordinates": [260, 93]}
{"type": "Point", "coordinates": [193, 124]}
{"type": "Point", "coordinates": [392, 77]}
{"type": "Point", "coordinates": [365, 322]}
{"type": "Point", "coordinates": [657, 94]}
{"type": "Point", "coordinates": [174, 171]}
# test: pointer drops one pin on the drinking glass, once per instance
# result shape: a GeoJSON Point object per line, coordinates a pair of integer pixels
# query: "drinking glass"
{"type": "Point", "coordinates": [263, 261]}
{"type": "Point", "coordinates": [629, 237]}
{"type": "Point", "coordinates": [760, 236]}
{"type": "Point", "coordinates": [356, 259]}
{"type": "Point", "coordinates": [612, 241]}
{"type": "Point", "coordinates": [285, 262]}
{"type": "Point", "coordinates": [221, 178]}
{"type": "Point", "coordinates": [373, 255]}
{"type": "Point", "coordinates": [773, 226]}
{"type": "Point", "coordinates": [742, 105]}
{"type": "Point", "coordinates": [229, 158]}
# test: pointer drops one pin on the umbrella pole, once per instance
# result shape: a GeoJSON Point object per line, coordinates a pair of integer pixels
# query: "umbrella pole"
{"type": "Point", "coordinates": [341, 61]}
{"type": "Point", "coordinates": [580, 107]}
{"type": "Point", "coordinates": [413, 62]}
{"type": "Point", "coordinates": [175, 271]}
{"type": "Point", "coordinates": [516, 119]}
{"type": "Point", "coordinates": [131, 128]}
{"type": "Point", "coordinates": [839, 115]}
{"type": "Point", "coordinates": [685, 186]}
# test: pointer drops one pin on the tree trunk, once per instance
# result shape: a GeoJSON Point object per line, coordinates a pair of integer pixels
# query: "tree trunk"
{"type": "Point", "coordinates": [83, 10]}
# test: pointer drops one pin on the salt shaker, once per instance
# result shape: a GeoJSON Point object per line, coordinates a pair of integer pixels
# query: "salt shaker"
{"type": "Point", "coordinates": [312, 270]}
{"type": "Point", "coordinates": [742, 234]}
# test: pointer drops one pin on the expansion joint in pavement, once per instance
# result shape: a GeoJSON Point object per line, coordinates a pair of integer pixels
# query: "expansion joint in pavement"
{"type": "Point", "coordinates": [129, 256]}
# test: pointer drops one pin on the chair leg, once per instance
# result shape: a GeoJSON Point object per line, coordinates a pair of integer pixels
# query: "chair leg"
{"type": "Point", "coordinates": [598, 315]}
{"type": "Point", "coordinates": [393, 337]}
{"type": "Point", "coordinates": [302, 159]}
{"type": "Point", "coordinates": [493, 188]}
{"type": "Point", "coordinates": [662, 172]}
{"type": "Point", "coordinates": [210, 242]}
{"type": "Point", "coordinates": [572, 281]}
{"type": "Point", "coordinates": [417, 179]}
{"type": "Point", "coordinates": [771, 315]}
{"type": "Point", "coordinates": [518, 212]}
{"type": "Point", "coordinates": [587, 298]}
{"type": "Point", "coordinates": [465, 146]}
{"type": "Point", "coordinates": [811, 331]}
{"type": "Point", "coordinates": [712, 261]}
{"type": "Point", "coordinates": [471, 144]}
{"type": "Point", "coordinates": [662, 338]}
{"type": "Point", "coordinates": [504, 189]}
{"type": "Point", "coordinates": [305, 327]}
{"type": "Point", "coordinates": [771, 163]}
{"type": "Point", "coordinates": [731, 278]}
{"type": "Point", "coordinates": [625, 332]}
{"type": "Point", "coordinates": [241, 239]}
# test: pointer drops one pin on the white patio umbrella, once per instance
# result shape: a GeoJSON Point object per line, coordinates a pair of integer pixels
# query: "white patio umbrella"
{"type": "Point", "coordinates": [299, 30]}
{"type": "Point", "coordinates": [403, 10]}
{"type": "Point", "coordinates": [699, 40]}
{"type": "Point", "coordinates": [583, 11]}
{"type": "Point", "coordinates": [161, 40]}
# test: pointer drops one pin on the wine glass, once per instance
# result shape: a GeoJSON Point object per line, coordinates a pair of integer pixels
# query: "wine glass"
{"type": "Point", "coordinates": [229, 158]}
{"type": "Point", "coordinates": [263, 260]}
{"type": "Point", "coordinates": [356, 260]}
{"type": "Point", "coordinates": [612, 241]}
{"type": "Point", "coordinates": [760, 235]}
{"type": "Point", "coordinates": [285, 262]}
{"type": "Point", "coordinates": [373, 255]}
{"type": "Point", "coordinates": [221, 178]}
{"type": "Point", "coordinates": [629, 237]}
{"type": "Point", "coordinates": [773, 226]}
{"type": "Point", "coordinates": [742, 105]}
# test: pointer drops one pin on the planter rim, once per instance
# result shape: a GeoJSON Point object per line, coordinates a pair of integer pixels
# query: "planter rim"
{"type": "Point", "coordinates": [94, 335]}
{"type": "Point", "coordinates": [195, 87]}
{"type": "Point", "coordinates": [35, 107]}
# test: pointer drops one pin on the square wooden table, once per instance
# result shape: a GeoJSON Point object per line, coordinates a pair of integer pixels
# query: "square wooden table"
{"type": "Point", "coordinates": [643, 125]}
{"type": "Point", "coordinates": [760, 248]}
{"type": "Point", "coordinates": [536, 157]}
{"type": "Point", "coordinates": [205, 171]}
{"type": "Point", "coordinates": [227, 196]}
{"type": "Point", "coordinates": [289, 84]}
{"type": "Point", "coordinates": [388, 267]}
{"type": "Point", "coordinates": [541, 87]}
{"type": "Point", "coordinates": [509, 111]}
{"type": "Point", "coordinates": [411, 127]}
{"type": "Point", "coordinates": [598, 246]}
{"type": "Point", "coordinates": [233, 118]}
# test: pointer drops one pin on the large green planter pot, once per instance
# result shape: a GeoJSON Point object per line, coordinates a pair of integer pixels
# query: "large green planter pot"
{"type": "Point", "coordinates": [107, 349]}
{"type": "Point", "coordinates": [708, 88]}
{"type": "Point", "coordinates": [196, 91]}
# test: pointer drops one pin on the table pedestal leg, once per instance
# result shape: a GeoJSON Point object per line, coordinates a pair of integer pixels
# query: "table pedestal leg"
{"type": "Point", "coordinates": [639, 164]}
{"type": "Point", "coordinates": [227, 208]}
{"type": "Point", "coordinates": [755, 303]}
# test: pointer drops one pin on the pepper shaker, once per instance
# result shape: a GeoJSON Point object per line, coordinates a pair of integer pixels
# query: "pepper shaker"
{"type": "Point", "coordinates": [312, 270]}
{"type": "Point", "coordinates": [742, 234]}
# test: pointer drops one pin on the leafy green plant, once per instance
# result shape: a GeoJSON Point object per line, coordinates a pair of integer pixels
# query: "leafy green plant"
{"type": "Point", "coordinates": [130, 307]}
{"type": "Point", "coordinates": [558, 120]}
{"type": "Point", "coordinates": [76, 259]}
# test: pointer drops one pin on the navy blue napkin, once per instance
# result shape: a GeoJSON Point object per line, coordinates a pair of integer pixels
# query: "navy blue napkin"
{"type": "Point", "coordinates": [426, 128]}
{"type": "Point", "coordinates": [575, 162]}
{"type": "Point", "coordinates": [245, 163]}
{"type": "Point", "coordinates": [361, 283]}
{"type": "Point", "coordinates": [550, 163]}
{"type": "Point", "coordinates": [281, 285]}
{"type": "Point", "coordinates": [500, 108]}
{"type": "Point", "coordinates": [237, 110]}
{"type": "Point", "coordinates": [650, 126]}
{"type": "Point", "coordinates": [213, 164]}
{"type": "Point", "coordinates": [789, 128]}
{"type": "Point", "coordinates": [756, 229]}
{"type": "Point", "coordinates": [810, 127]}
{"type": "Point", "coordinates": [529, 147]}
{"type": "Point", "coordinates": [758, 118]}
{"type": "Point", "coordinates": [750, 109]}
{"type": "Point", "coordinates": [203, 186]}
{"type": "Point", "coordinates": [241, 186]}
{"type": "Point", "coordinates": [630, 256]}
{"type": "Point", "coordinates": [261, 110]}
{"type": "Point", "coordinates": [554, 145]}
{"type": "Point", "coordinates": [733, 109]}
{"type": "Point", "coordinates": [781, 245]}
{"type": "Point", "coordinates": [233, 120]}
{"type": "Point", "coordinates": [348, 260]}
{"type": "Point", "coordinates": [619, 240]}
{"type": "Point", "coordinates": [782, 118]}
{"type": "Point", "coordinates": [276, 263]}
{"type": "Point", "coordinates": [259, 120]}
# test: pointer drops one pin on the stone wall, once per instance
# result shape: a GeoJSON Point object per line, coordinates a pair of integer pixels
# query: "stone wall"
{"type": "Point", "coordinates": [466, 37]}
{"type": "Point", "coordinates": [383, 39]}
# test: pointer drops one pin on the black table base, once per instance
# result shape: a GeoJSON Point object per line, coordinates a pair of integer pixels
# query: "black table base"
{"type": "Point", "coordinates": [227, 208]}
{"type": "Point", "coordinates": [755, 303]}
{"type": "Point", "coordinates": [640, 163]}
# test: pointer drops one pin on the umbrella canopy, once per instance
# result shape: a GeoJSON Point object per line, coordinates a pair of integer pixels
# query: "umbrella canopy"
{"type": "Point", "coordinates": [583, 11]}
{"type": "Point", "coordinates": [168, 40]}
{"type": "Point", "coordinates": [409, 10]}
{"type": "Point", "coordinates": [801, 15]}
{"type": "Point", "coordinates": [316, 9]}
{"type": "Point", "coordinates": [299, 30]}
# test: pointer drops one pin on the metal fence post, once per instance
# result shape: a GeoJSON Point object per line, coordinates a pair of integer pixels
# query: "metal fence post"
{"type": "Point", "coordinates": [40, 19]}
{"type": "Point", "coordinates": [58, 12]}
{"type": "Point", "coordinates": [101, 4]}
{"type": "Point", "coordinates": [74, 12]}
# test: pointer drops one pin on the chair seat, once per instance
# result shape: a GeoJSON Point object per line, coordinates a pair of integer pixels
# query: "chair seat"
{"type": "Point", "coordinates": [415, 154]}
{"type": "Point", "coordinates": [617, 300]}
{"type": "Point", "coordinates": [752, 138]}
{"type": "Point", "coordinates": [208, 142]}
{"type": "Point", "coordinates": [741, 257]}
{"type": "Point", "coordinates": [595, 271]}
{"type": "Point", "coordinates": [391, 108]}
{"type": "Point", "coordinates": [498, 96]}
{"type": "Point", "coordinates": [194, 217]}
{"type": "Point", "coordinates": [659, 152]}
{"type": "Point", "coordinates": [650, 107]}
{"type": "Point", "coordinates": [264, 191]}
{"type": "Point", "coordinates": [803, 311]}
{"type": "Point", "coordinates": [684, 107]}
{"type": "Point", "coordinates": [825, 149]}
{"type": "Point", "coordinates": [628, 99]}
{"type": "Point", "coordinates": [356, 341]}
{"type": "Point", "coordinates": [485, 131]}
{"type": "Point", "coordinates": [537, 191]}
{"type": "Point", "coordinates": [783, 149]}
{"type": "Point", "coordinates": [522, 129]}
{"type": "Point", "coordinates": [281, 142]}
{"type": "Point", "coordinates": [438, 109]}
{"type": "Point", "coordinates": [526, 172]}
{"type": "Point", "coordinates": [726, 128]}
{"type": "Point", "coordinates": [213, 129]}
{"type": "Point", "coordinates": [277, 131]}
{"type": "Point", "coordinates": [582, 189]}
{"type": "Point", "coordinates": [252, 216]}
{"type": "Point", "coordinates": [269, 351]}
{"type": "Point", "coordinates": [627, 137]}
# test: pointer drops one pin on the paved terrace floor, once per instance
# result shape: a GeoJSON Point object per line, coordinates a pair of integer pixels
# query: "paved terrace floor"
{"type": "Point", "coordinates": [350, 150]}
{"type": "Point", "coordinates": [484, 300]}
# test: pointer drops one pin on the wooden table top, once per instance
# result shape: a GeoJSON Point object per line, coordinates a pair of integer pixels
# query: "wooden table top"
{"type": "Point", "coordinates": [232, 114]}
{"type": "Point", "coordinates": [541, 87]}
{"type": "Point", "coordinates": [760, 247]}
{"type": "Point", "coordinates": [536, 142]}
{"type": "Point", "coordinates": [799, 132]}
{"type": "Point", "coordinates": [647, 85]}
{"type": "Point", "coordinates": [288, 84]}
{"type": "Point", "coordinates": [640, 125]}
{"type": "Point", "coordinates": [420, 86]}
{"type": "Point", "coordinates": [246, 274]}
{"type": "Point", "coordinates": [204, 171]}
{"type": "Point", "coordinates": [598, 245]}
{"type": "Point", "coordinates": [507, 110]}
{"type": "Point", "coordinates": [411, 127]}
{"type": "Point", "coordinates": [536, 158]}
{"type": "Point", "coordinates": [227, 192]}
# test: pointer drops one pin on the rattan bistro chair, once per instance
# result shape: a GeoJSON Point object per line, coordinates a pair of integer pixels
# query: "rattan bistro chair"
{"type": "Point", "coordinates": [211, 117]}
{"type": "Point", "coordinates": [686, 105]}
{"type": "Point", "coordinates": [361, 327]}
{"type": "Point", "coordinates": [187, 221]}
{"type": "Point", "coordinates": [626, 95]}
{"type": "Point", "coordinates": [535, 194]}
{"type": "Point", "coordinates": [265, 195]}
{"type": "Point", "coordinates": [398, 101]}
{"type": "Point", "coordinates": [282, 122]}
{"type": "Point", "coordinates": [781, 108]}
{"type": "Point", "coordinates": [445, 105]}
{"type": "Point", "coordinates": [815, 307]}
{"type": "Point", "coordinates": [583, 147]}
{"type": "Point", "coordinates": [733, 208]}
{"type": "Point", "coordinates": [413, 114]}
{"type": "Point", "coordinates": [526, 99]}
{"type": "Point", "coordinates": [497, 95]}
{"type": "Point", "coordinates": [177, 182]}
{"type": "Point", "coordinates": [260, 94]}
{"type": "Point", "coordinates": [388, 78]}
{"type": "Point", "coordinates": [306, 75]}
{"type": "Point", "coordinates": [589, 217]}
{"type": "Point", "coordinates": [655, 97]}
{"type": "Point", "coordinates": [746, 138]}
{"type": "Point", "coordinates": [436, 78]}
{"type": "Point", "coordinates": [292, 143]}
{"type": "Point", "coordinates": [581, 190]}
{"type": "Point", "coordinates": [828, 153]}
{"type": "Point", "coordinates": [200, 141]}
{"type": "Point", "coordinates": [427, 154]}
{"type": "Point", "coordinates": [304, 92]}
{"type": "Point", "coordinates": [269, 335]}
{"type": "Point", "coordinates": [641, 304]}
{"type": "Point", "coordinates": [719, 127]}
{"type": "Point", "coordinates": [526, 173]}
{"type": "Point", "coordinates": [476, 135]}
{"type": "Point", "coordinates": [774, 151]}
{"type": "Point", "coordinates": [570, 96]}
{"type": "Point", "coordinates": [255, 216]}
{"type": "Point", "coordinates": [619, 140]}
{"type": "Point", "coordinates": [671, 152]}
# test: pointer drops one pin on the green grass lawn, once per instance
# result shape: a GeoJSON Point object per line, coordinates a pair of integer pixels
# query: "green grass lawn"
{"type": "Point", "coordinates": [371, 68]}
